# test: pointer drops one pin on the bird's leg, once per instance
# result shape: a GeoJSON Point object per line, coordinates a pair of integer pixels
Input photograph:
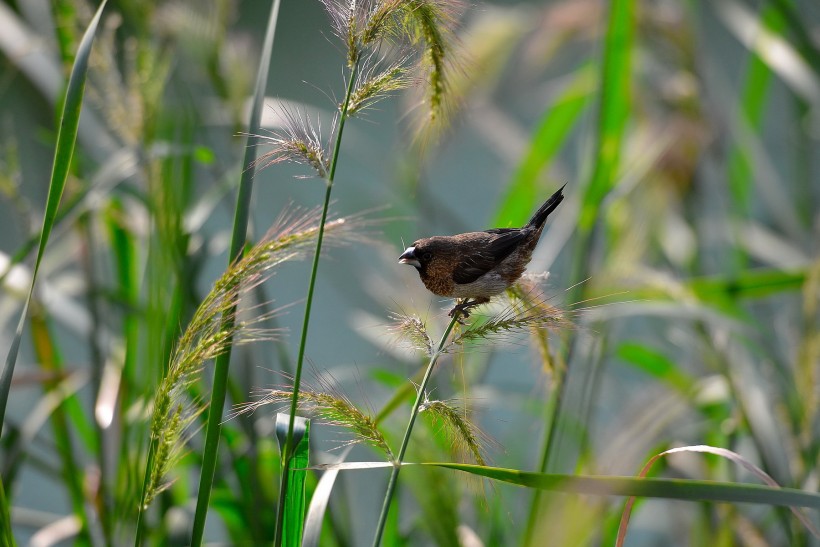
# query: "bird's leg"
{"type": "Point", "coordinates": [466, 305]}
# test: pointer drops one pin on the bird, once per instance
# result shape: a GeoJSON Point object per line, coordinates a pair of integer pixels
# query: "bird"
{"type": "Point", "coordinates": [473, 267]}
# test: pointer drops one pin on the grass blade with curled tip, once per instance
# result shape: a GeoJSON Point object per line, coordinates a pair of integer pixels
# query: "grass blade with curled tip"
{"type": "Point", "coordinates": [63, 154]}
{"type": "Point", "coordinates": [676, 489]}
{"type": "Point", "coordinates": [238, 239]}
{"type": "Point", "coordinates": [734, 457]}
{"type": "Point", "coordinates": [600, 485]}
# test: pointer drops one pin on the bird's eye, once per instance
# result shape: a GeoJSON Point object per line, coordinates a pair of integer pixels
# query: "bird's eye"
{"type": "Point", "coordinates": [427, 256]}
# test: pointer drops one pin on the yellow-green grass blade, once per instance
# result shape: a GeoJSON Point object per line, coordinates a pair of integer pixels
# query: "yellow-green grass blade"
{"type": "Point", "coordinates": [752, 108]}
{"type": "Point", "coordinates": [6, 537]}
{"type": "Point", "coordinates": [657, 365]}
{"type": "Point", "coordinates": [64, 415]}
{"type": "Point", "coordinates": [614, 109]}
{"type": "Point", "coordinates": [550, 135]}
{"type": "Point", "coordinates": [63, 154]}
{"type": "Point", "coordinates": [724, 292]}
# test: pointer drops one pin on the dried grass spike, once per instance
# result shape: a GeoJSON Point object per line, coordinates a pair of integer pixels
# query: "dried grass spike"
{"type": "Point", "coordinates": [374, 83]}
{"type": "Point", "coordinates": [412, 330]}
{"type": "Point", "coordinates": [331, 407]}
{"type": "Point", "coordinates": [467, 438]}
{"type": "Point", "coordinates": [297, 141]}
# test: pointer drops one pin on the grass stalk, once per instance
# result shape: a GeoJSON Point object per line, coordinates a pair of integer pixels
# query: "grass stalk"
{"type": "Point", "coordinates": [394, 474]}
{"type": "Point", "coordinates": [555, 399]}
{"type": "Point", "coordinates": [149, 464]}
{"type": "Point", "coordinates": [297, 376]}
{"type": "Point", "coordinates": [238, 238]}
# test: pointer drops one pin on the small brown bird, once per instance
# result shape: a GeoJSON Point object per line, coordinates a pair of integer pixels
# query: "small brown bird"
{"type": "Point", "coordinates": [477, 265]}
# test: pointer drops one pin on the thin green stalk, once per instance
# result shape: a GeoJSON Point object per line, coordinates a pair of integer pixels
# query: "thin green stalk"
{"type": "Point", "coordinates": [6, 537]}
{"type": "Point", "coordinates": [98, 364]}
{"type": "Point", "coordinates": [394, 475]}
{"type": "Point", "coordinates": [238, 238]}
{"type": "Point", "coordinates": [297, 377]}
{"type": "Point", "coordinates": [49, 356]}
{"type": "Point", "coordinates": [149, 463]}
{"type": "Point", "coordinates": [555, 399]}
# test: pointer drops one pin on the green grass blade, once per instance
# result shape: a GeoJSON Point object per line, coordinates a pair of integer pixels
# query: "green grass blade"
{"type": "Point", "coordinates": [721, 290]}
{"type": "Point", "coordinates": [124, 250]}
{"type": "Point", "coordinates": [678, 489]}
{"type": "Point", "coordinates": [318, 504]}
{"type": "Point", "coordinates": [238, 238]}
{"type": "Point", "coordinates": [656, 365]}
{"type": "Point", "coordinates": [748, 284]}
{"type": "Point", "coordinates": [6, 537]}
{"type": "Point", "coordinates": [64, 151]}
{"type": "Point", "coordinates": [550, 135]}
{"type": "Point", "coordinates": [752, 107]}
{"type": "Point", "coordinates": [293, 523]}
{"type": "Point", "coordinates": [616, 78]}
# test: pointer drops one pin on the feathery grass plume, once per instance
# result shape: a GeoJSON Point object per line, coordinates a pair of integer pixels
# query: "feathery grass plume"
{"type": "Point", "coordinates": [464, 435]}
{"type": "Point", "coordinates": [375, 81]}
{"type": "Point", "coordinates": [290, 238]}
{"type": "Point", "coordinates": [297, 141]}
{"type": "Point", "coordinates": [527, 294]}
{"type": "Point", "coordinates": [382, 19]}
{"type": "Point", "coordinates": [523, 312]}
{"type": "Point", "coordinates": [347, 19]}
{"type": "Point", "coordinates": [434, 22]}
{"type": "Point", "coordinates": [411, 330]}
{"type": "Point", "coordinates": [330, 406]}
{"type": "Point", "coordinates": [365, 23]}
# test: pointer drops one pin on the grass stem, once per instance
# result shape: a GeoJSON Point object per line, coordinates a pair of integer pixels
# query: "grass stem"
{"type": "Point", "coordinates": [297, 377]}
{"type": "Point", "coordinates": [238, 238]}
{"type": "Point", "coordinates": [394, 475]}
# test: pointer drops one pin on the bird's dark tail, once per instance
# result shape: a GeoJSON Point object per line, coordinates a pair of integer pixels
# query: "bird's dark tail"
{"type": "Point", "coordinates": [543, 212]}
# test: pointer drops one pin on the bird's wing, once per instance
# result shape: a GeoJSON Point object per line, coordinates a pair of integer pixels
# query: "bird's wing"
{"type": "Point", "coordinates": [487, 255]}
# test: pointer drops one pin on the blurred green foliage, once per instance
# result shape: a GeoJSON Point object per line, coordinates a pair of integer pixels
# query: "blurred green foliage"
{"type": "Point", "coordinates": [685, 255]}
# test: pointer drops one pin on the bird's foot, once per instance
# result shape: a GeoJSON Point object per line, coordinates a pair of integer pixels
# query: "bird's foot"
{"type": "Point", "coordinates": [463, 308]}
{"type": "Point", "coordinates": [462, 314]}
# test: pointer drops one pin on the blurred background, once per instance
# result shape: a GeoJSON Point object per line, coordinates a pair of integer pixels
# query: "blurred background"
{"type": "Point", "coordinates": [685, 254]}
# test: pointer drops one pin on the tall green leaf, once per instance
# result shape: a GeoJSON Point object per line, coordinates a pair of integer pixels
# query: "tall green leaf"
{"type": "Point", "coordinates": [678, 489]}
{"type": "Point", "coordinates": [294, 523]}
{"type": "Point", "coordinates": [63, 153]}
{"type": "Point", "coordinates": [616, 77]}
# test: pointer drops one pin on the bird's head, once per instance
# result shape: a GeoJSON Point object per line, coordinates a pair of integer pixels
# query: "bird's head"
{"type": "Point", "coordinates": [418, 255]}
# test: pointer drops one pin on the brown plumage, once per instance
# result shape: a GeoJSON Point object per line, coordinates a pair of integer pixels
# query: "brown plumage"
{"type": "Point", "coordinates": [475, 266]}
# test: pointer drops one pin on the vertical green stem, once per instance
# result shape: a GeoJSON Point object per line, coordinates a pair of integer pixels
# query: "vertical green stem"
{"type": "Point", "coordinates": [238, 238]}
{"type": "Point", "coordinates": [149, 463]}
{"type": "Point", "coordinates": [555, 399]}
{"type": "Point", "coordinates": [394, 475]}
{"type": "Point", "coordinates": [297, 377]}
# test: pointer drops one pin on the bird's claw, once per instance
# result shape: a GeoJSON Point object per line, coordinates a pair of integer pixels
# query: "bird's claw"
{"type": "Point", "coordinates": [463, 309]}
{"type": "Point", "coordinates": [460, 314]}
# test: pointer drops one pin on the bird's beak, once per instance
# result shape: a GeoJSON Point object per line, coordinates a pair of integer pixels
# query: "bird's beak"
{"type": "Point", "coordinates": [409, 257]}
